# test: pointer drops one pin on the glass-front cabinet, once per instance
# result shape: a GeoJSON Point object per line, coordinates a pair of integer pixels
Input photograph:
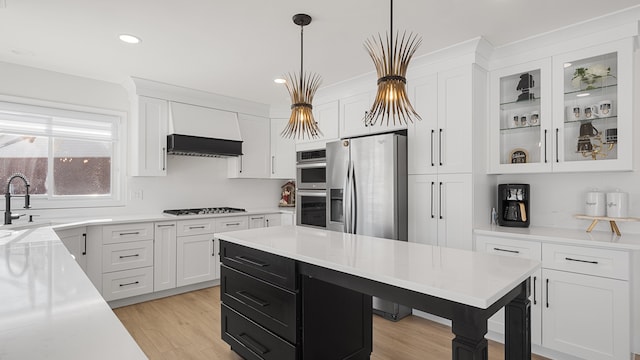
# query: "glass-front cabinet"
{"type": "Point", "coordinates": [593, 108]}
{"type": "Point", "coordinates": [566, 113]}
{"type": "Point", "coordinates": [521, 118]}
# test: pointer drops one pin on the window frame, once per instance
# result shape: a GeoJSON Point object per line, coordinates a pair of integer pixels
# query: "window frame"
{"type": "Point", "coordinates": [118, 160]}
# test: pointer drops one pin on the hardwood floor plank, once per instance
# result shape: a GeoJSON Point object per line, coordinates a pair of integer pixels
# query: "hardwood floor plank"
{"type": "Point", "coordinates": [187, 326]}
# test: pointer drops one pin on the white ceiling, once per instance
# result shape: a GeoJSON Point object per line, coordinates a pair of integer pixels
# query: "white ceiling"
{"type": "Point", "coordinates": [237, 47]}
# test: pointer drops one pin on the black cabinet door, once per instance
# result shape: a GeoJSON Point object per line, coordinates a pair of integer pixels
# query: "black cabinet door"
{"type": "Point", "coordinates": [270, 306]}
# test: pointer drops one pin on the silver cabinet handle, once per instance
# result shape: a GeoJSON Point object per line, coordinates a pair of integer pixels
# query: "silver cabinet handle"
{"type": "Point", "coordinates": [272, 165]}
{"type": "Point", "coordinates": [432, 132]}
{"type": "Point", "coordinates": [433, 185]}
{"type": "Point", "coordinates": [257, 218]}
{"type": "Point", "coordinates": [196, 227]}
{"type": "Point", "coordinates": [165, 225]}
{"type": "Point", "coordinates": [506, 250]}
{"type": "Point", "coordinates": [131, 283]}
{"type": "Point", "coordinates": [130, 233]}
{"type": "Point", "coordinates": [582, 261]}
{"type": "Point", "coordinates": [241, 163]}
{"type": "Point", "coordinates": [84, 252]}
{"type": "Point", "coordinates": [440, 201]}
{"type": "Point", "coordinates": [232, 224]}
{"type": "Point", "coordinates": [128, 256]}
{"type": "Point", "coordinates": [440, 146]}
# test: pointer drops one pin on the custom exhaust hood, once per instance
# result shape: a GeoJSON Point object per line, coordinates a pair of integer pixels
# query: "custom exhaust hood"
{"type": "Point", "coordinates": [201, 131]}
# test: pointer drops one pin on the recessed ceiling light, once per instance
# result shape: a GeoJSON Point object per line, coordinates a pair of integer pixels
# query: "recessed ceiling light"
{"type": "Point", "coordinates": [566, 65]}
{"type": "Point", "coordinates": [129, 39]}
{"type": "Point", "coordinates": [583, 94]}
{"type": "Point", "coordinates": [279, 81]}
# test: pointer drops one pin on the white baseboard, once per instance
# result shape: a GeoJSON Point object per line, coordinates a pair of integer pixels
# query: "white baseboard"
{"type": "Point", "coordinates": [161, 294]}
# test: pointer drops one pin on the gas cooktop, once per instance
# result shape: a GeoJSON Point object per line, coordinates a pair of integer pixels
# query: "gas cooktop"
{"type": "Point", "coordinates": [204, 211]}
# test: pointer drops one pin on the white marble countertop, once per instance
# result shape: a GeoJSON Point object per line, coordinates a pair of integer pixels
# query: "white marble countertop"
{"type": "Point", "coordinates": [596, 239]}
{"type": "Point", "coordinates": [476, 279]}
{"type": "Point", "coordinates": [48, 307]}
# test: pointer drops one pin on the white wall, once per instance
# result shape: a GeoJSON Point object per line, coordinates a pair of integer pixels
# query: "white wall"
{"type": "Point", "coordinates": [190, 181]}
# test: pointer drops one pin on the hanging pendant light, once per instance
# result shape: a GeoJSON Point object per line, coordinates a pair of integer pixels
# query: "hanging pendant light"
{"type": "Point", "coordinates": [391, 64]}
{"type": "Point", "coordinates": [302, 88]}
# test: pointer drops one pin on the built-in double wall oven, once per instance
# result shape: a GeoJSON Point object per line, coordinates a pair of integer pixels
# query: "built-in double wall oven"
{"type": "Point", "coordinates": [311, 197]}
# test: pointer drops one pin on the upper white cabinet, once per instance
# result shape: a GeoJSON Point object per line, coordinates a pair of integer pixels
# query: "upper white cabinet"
{"type": "Point", "coordinates": [442, 141]}
{"type": "Point", "coordinates": [566, 113]}
{"type": "Point", "coordinates": [326, 116]}
{"type": "Point", "coordinates": [352, 112]}
{"type": "Point", "coordinates": [283, 152]}
{"type": "Point", "coordinates": [255, 161]}
{"type": "Point", "coordinates": [149, 129]}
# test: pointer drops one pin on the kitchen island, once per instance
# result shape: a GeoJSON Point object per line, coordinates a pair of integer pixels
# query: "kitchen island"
{"type": "Point", "coordinates": [48, 306]}
{"type": "Point", "coordinates": [304, 263]}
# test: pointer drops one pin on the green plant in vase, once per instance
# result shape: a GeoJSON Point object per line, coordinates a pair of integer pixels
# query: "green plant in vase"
{"type": "Point", "coordinates": [590, 76]}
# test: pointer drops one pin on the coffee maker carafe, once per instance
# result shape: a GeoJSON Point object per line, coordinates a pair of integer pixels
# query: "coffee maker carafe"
{"type": "Point", "coordinates": [513, 205]}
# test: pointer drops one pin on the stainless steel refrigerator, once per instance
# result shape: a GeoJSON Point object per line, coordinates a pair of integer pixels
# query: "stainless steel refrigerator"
{"type": "Point", "coordinates": [367, 194]}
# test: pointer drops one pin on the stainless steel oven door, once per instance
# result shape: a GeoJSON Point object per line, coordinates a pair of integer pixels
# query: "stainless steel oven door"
{"type": "Point", "coordinates": [311, 208]}
{"type": "Point", "coordinates": [311, 176]}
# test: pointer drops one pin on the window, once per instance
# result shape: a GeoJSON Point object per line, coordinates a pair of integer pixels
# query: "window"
{"type": "Point", "coordinates": [66, 154]}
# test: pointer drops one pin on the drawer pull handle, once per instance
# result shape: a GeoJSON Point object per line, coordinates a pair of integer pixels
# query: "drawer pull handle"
{"type": "Point", "coordinates": [131, 283]}
{"type": "Point", "coordinates": [251, 261]}
{"type": "Point", "coordinates": [582, 261]}
{"type": "Point", "coordinates": [254, 345]}
{"type": "Point", "coordinates": [232, 224]}
{"type": "Point", "coordinates": [257, 218]}
{"type": "Point", "coordinates": [128, 256]}
{"type": "Point", "coordinates": [196, 227]}
{"type": "Point", "coordinates": [252, 298]}
{"type": "Point", "coordinates": [166, 225]}
{"type": "Point", "coordinates": [130, 233]}
{"type": "Point", "coordinates": [507, 250]}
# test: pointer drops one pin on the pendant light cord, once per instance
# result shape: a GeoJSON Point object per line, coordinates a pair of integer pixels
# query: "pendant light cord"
{"type": "Point", "coordinates": [391, 47]}
{"type": "Point", "coordinates": [301, 52]}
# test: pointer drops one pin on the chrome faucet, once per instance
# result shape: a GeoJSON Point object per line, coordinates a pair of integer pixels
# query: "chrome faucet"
{"type": "Point", "coordinates": [7, 195]}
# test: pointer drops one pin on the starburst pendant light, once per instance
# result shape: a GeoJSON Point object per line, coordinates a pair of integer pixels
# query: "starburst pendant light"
{"type": "Point", "coordinates": [391, 59]}
{"type": "Point", "coordinates": [302, 88]}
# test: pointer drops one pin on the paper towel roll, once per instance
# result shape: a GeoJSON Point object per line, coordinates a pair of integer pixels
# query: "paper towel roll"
{"type": "Point", "coordinates": [595, 204]}
{"type": "Point", "coordinates": [617, 204]}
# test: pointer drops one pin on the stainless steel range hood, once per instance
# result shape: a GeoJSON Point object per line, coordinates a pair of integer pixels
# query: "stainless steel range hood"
{"type": "Point", "coordinates": [202, 131]}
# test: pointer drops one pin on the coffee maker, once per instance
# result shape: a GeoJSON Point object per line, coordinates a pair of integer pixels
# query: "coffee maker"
{"type": "Point", "coordinates": [513, 205]}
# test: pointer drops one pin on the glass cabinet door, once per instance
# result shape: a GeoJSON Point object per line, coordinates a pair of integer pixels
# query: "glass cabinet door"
{"type": "Point", "coordinates": [590, 100]}
{"type": "Point", "coordinates": [520, 119]}
{"type": "Point", "coordinates": [592, 114]}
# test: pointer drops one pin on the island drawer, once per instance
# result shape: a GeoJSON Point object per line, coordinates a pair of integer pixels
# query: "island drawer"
{"type": "Point", "coordinates": [268, 267]}
{"type": "Point", "coordinates": [591, 261]}
{"type": "Point", "coordinates": [125, 256]}
{"type": "Point", "coordinates": [270, 306]}
{"type": "Point", "coordinates": [501, 246]}
{"type": "Point", "coordinates": [252, 341]}
{"type": "Point", "coordinates": [196, 227]}
{"type": "Point", "coordinates": [126, 283]}
{"type": "Point", "coordinates": [127, 232]}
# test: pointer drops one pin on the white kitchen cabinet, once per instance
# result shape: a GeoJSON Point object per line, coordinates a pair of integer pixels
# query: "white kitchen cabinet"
{"type": "Point", "coordinates": [580, 302]}
{"type": "Point", "coordinates": [442, 141]}
{"type": "Point", "coordinates": [583, 123]}
{"type": "Point", "coordinates": [231, 223]}
{"type": "Point", "coordinates": [283, 152]}
{"type": "Point", "coordinates": [439, 210]}
{"type": "Point", "coordinates": [586, 316]}
{"type": "Point", "coordinates": [255, 161]}
{"type": "Point", "coordinates": [75, 240]}
{"type": "Point", "coordinates": [352, 112]}
{"type": "Point", "coordinates": [526, 250]}
{"type": "Point", "coordinates": [149, 130]}
{"type": "Point", "coordinates": [327, 117]}
{"type": "Point", "coordinates": [273, 220]}
{"type": "Point", "coordinates": [164, 255]}
{"type": "Point", "coordinates": [196, 259]}
{"type": "Point", "coordinates": [256, 221]}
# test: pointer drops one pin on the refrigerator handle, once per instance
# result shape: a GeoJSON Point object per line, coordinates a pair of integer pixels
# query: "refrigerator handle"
{"type": "Point", "coordinates": [354, 201]}
{"type": "Point", "coordinates": [346, 197]}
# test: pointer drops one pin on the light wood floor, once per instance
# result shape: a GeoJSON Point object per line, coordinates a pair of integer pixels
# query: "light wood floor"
{"type": "Point", "coordinates": [187, 326]}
